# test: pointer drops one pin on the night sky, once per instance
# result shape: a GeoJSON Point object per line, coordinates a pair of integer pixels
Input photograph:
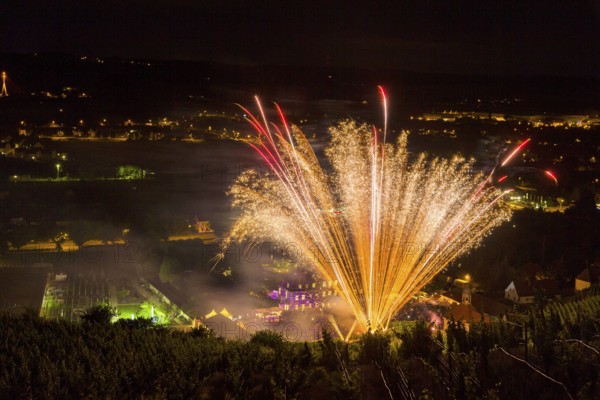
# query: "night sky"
{"type": "Point", "coordinates": [531, 37]}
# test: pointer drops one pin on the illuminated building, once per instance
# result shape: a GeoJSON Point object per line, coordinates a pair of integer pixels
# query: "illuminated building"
{"type": "Point", "coordinates": [268, 315]}
{"type": "Point", "coordinates": [306, 293]}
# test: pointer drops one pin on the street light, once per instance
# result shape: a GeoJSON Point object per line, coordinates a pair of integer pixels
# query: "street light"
{"type": "Point", "coordinates": [57, 170]}
{"type": "Point", "coordinates": [560, 203]}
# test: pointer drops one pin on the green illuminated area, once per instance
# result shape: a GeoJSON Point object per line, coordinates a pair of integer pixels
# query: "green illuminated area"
{"type": "Point", "coordinates": [68, 300]}
{"type": "Point", "coordinates": [159, 314]}
{"type": "Point", "coordinates": [52, 307]}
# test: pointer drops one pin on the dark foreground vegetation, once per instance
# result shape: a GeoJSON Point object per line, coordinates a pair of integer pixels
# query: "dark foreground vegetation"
{"type": "Point", "coordinates": [45, 359]}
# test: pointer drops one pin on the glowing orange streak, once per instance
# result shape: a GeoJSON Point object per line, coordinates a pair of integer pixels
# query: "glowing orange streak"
{"type": "Point", "coordinates": [299, 205]}
{"type": "Point", "coordinates": [374, 222]}
{"type": "Point", "coordinates": [262, 113]}
{"type": "Point", "coordinates": [291, 191]}
{"type": "Point", "coordinates": [449, 243]}
{"type": "Point", "coordinates": [408, 201]}
{"type": "Point", "coordinates": [430, 272]}
{"type": "Point", "coordinates": [376, 194]}
{"type": "Point", "coordinates": [385, 111]}
{"type": "Point", "coordinates": [379, 205]}
{"type": "Point", "coordinates": [515, 151]}
{"type": "Point", "coordinates": [476, 197]}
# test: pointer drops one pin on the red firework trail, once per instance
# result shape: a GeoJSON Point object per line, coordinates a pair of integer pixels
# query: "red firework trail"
{"type": "Point", "coordinates": [514, 152]}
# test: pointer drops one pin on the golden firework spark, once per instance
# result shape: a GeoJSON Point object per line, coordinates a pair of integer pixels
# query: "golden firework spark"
{"type": "Point", "coordinates": [379, 222]}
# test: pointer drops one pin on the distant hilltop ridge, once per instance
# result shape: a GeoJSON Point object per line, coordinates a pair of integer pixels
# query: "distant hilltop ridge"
{"type": "Point", "coordinates": [174, 78]}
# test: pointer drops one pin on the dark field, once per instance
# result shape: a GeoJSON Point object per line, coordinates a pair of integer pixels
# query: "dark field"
{"type": "Point", "coordinates": [22, 288]}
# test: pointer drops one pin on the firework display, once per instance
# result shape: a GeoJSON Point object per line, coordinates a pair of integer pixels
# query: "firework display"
{"type": "Point", "coordinates": [378, 220]}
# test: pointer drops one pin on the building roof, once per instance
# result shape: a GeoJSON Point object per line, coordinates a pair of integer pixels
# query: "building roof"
{"type": "Point", "coordinates": [490, 306]}
{"type": "Point", "coordinates": [466, 312]}
{"type": "Point", "coordinates": [224, 312]}
{"type": "Point", "coordinates": [549, 286]}
{"type": "Point", "coordinates": [226, 328]}
{"type": "Point", "coordinates": [523, 289]}
{"type": "Point", "coordinates": [590, 274]}
{"type": "Point", "coordinates": [170, 292]}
